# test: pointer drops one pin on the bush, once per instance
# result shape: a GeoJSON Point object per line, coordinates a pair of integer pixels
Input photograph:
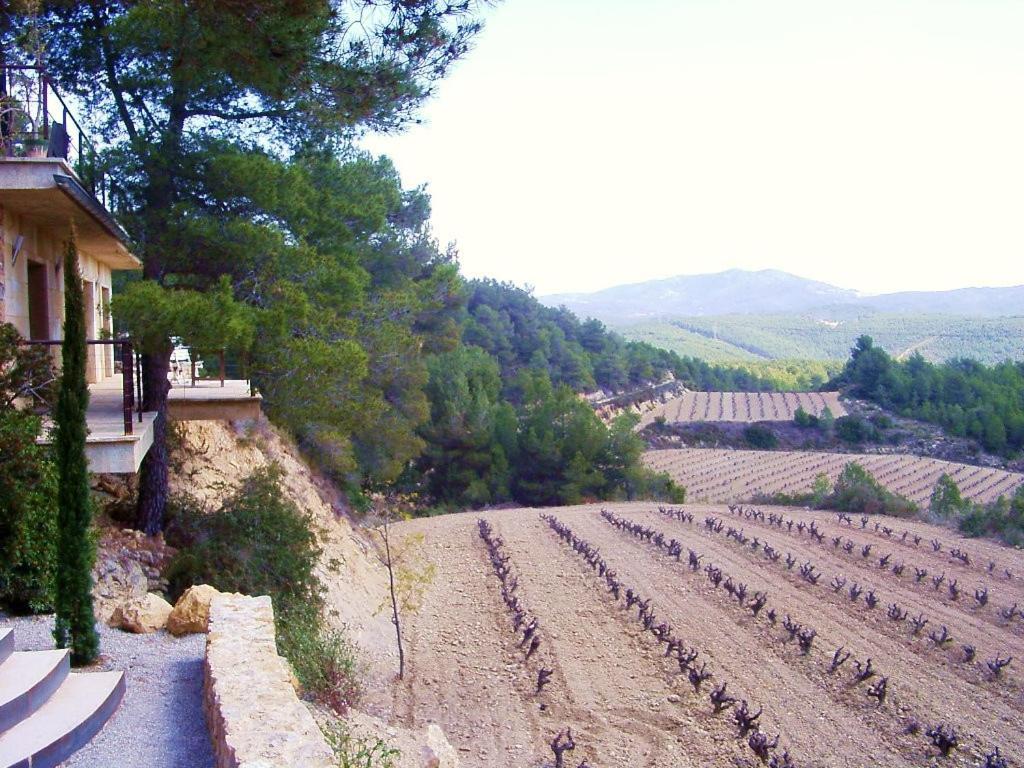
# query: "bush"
{"type": "Point", "coordinates": [1002, 519]}
{"type": "Point", "coordinates": [856, 490]}
{"type": "Point", "coordinates": [28, 516]}
{"type": "Point", "coordinates": [259, 543]}
{"type": "Point", "coordinates": [358, 752]}
{"type": "Point", "coordinates": [760, 436]}
{"type": "Point", "coordinates": [321, 657]}
{"type": "Point", "coordinates": [855, 430]}
{"type": "Point", "coordinates": [881, 421]}
{"type": "Point", "coordinates": [946, 500]}
{"type": "Point", "coordinates": [28, 480]}
{"type": "Point", "coordinates": [804, 419]}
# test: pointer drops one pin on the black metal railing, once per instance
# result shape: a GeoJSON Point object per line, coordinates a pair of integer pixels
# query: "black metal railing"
{"type": "Point", "coordinates": [131, 374]}
{"type": "Point", "coordinates": [35, 121]}
{"type": "Point", "coordinates": [191, 367]}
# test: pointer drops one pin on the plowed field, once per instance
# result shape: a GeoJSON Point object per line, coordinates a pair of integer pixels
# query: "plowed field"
{"type": "Point", "coordinates": [715, 475]}
{"type": "Point", "coordinates": [626, 624]}
{"type": "Point", "coordinates": [743, 406]}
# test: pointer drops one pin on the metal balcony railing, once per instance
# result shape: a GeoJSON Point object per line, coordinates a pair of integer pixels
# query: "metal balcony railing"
{"type": "Point", "coordinates": [35, 121]}
{"type": "Point", "coordinates": [130, 366]}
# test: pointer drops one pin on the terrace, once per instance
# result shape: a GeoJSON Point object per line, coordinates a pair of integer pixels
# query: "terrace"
{"type": "Point", "coordinates": [121, 432]}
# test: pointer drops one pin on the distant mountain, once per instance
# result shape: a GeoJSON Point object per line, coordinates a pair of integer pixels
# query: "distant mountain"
{"type": "Point", "coordinates": [771, 291]}
{"type": "Point", "coordinates": [730, 292]}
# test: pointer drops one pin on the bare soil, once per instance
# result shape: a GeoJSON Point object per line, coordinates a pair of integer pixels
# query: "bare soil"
{"type": "Point", "coordinates": [628, 704]}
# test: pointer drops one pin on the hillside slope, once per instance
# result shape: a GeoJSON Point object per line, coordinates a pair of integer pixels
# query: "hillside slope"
{"type": "Point", "coordinates": [830, 333]}
{"type": "Point", "coordinates": [212, 458]}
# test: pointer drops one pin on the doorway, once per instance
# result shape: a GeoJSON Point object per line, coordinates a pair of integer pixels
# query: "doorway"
{"type": "Point", "coordinates": [38, 302]}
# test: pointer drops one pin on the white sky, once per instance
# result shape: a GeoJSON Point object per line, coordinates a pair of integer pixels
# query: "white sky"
{"type": "Point", "coordinates": [874, 144]}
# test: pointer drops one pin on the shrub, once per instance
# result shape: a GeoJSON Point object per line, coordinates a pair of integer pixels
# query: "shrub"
{"type": "Point", "coordinates": [804, 419]}
{"type": "Point", "coordinates": [28, 517]}
{"type": "Point", "coordinates": [28, 481]}
{"type": "Point", "coordinates": [855, 430]}
{"type": "Point", "coordinates": [1002, 519]}
{"type": "Point", "coordinates": [259, 543]}
{"type": "Point", "coordinates": [881, 421]}
{"type": "Point", "coordinates": [946, 500]}
{"type": "Point", "coordinates": [358, 752]}
{"type": "Point", "coordinates": [856, 490]}
{"type": "Point", "coordinates": [321, 657]}
{"type": "Point", "coordinates": [760, 436]}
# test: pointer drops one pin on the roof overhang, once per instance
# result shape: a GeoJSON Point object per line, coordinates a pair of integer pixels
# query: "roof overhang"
{"type": "Point", "coordinates": [46, 192]}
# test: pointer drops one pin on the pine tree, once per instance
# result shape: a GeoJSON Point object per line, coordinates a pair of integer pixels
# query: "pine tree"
{"type": "Point", "coordinates": [75, 624]}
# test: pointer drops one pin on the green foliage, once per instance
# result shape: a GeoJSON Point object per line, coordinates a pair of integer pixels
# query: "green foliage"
{"type": "Point", "coordinates": [856, 490]}
{"type": "Point", "coordinates": [820, 489]}
{"type": "Point", "coordinates": [1002, 519]}
{"type": "Point", "coordinates": [827, 421]}
{"type": "Point", "coordinates": [520, 332]}
{"type": "Point", "coordinates": [966, 398]}
{"type": "Point", "coordinates": [208, 321]}
{"type": "Point", "coordinates": [946, 500]}
{"type": "Point", "coordinates": [358, 751]}
{"type": "Point", "coordinates": [796, 349]}
{"type": "Point", "coordinates": [760, 436]}
{"type": "Point", "coordinates": [546, 447]}
{"type": "Point", "coordinates": [259, 543]}
{"type": "Point", "coordinates": [322, 658]}
{"type": "Point", "coordinates": [75, 623]}
{"type": "Point", "coordinates": [471, 431]}
{"type": "Point", "coordinates": [855, 430]}
{"type": "Point", "coordinates": [804, 419]}
{"type": "Point", "coordinates": [28, 482]}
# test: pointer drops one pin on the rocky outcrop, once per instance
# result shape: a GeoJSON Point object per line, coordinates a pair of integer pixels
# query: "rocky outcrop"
{"type": "Point", "coordinates": [143, 615]}
{"type": "Point", "coordinates": [255, 717]}
{"type": "Point", "coordinates": [191, 613]}
{"type": "Point", "coordinates": [128, 565]}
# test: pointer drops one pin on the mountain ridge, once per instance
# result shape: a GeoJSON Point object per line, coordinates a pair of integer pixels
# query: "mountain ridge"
{"type": "Point", "coordinates": [772, 291]}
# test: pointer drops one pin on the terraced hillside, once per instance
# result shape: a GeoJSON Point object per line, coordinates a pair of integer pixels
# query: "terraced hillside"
{"type": "Point", "coordinates": [743, 406]}
{"type": "Point", "coordinates": [710, 636]}
{"type": "Point", "coordinates": [717, 475]}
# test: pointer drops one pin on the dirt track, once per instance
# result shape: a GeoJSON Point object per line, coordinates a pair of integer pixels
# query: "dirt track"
{"type": "Point", "coordinates": [628, 704]}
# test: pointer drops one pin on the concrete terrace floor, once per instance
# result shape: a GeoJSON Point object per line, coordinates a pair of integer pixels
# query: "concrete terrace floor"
{"type": "Point", "coordinates": [105, 416]}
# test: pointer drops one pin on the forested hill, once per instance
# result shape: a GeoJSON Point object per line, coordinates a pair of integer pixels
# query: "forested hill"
{"type": "Point", "coordinates": [968, 399]}
{"type": "Point", "coordinates": [520, 333]}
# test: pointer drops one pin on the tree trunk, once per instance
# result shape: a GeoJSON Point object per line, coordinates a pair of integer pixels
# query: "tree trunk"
{"type": "Point", "coordinates": [153, 474]}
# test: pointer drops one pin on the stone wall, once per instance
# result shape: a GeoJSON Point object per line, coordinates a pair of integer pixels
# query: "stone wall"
{"type": "Point", "coordinates": [254, 715]}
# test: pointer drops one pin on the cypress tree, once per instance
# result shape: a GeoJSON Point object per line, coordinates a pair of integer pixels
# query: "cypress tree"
{"type": "Point", "coordinates": [75, 624]}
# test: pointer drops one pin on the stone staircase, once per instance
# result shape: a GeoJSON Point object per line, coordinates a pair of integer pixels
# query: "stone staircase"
{"type": "Point", "coordinates": [46, 711]}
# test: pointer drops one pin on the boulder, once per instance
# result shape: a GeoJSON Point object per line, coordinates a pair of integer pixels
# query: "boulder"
{"type": "Point", "coordinates": [438, 751]}
{"type": "Point", "coordinates": [191, 614]}
{"type": "Point", "coordinates": [141, 616]}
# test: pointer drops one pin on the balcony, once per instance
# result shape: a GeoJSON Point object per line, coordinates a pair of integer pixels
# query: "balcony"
{"type": "Point", "coordinates": [50, 172]}
{"type": "Point", "coordinates": [121, 433]}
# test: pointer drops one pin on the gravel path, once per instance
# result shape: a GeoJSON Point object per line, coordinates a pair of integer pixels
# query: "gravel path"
{"type": "Point", "coordinates": [160, 723]}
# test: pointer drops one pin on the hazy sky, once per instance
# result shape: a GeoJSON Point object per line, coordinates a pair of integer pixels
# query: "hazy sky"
{"type": "Point", "coordinates": [875, 144]}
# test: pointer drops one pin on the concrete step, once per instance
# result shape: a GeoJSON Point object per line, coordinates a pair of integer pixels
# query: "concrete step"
{"type": "Point", "coordinates": [27, 680]}
{"type": "Point", "coordinates": [6, 644]}
{"type": "Point", "coordinates": [71, 716]}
